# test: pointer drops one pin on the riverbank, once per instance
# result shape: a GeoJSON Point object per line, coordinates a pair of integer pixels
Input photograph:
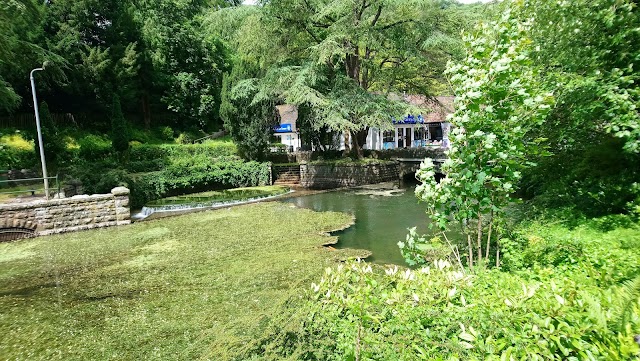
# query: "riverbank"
{"type": "Point", "coordinates": [197, 286]}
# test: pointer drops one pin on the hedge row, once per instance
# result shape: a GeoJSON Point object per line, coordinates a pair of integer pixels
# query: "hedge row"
{"type": "Point", "coordinates": [142, 157]}
{"type": "Point", "coordinates": [148, 157]}
{"type": "Point", "coordinates": [199, 173]}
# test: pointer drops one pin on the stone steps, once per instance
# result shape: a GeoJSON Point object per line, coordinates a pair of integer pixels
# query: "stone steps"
{"type": "Point", "coordinates": [287, 175]}
{"type": "Point", "coordinates": [286, 184]}
{"type": "Point", "coordinates": [295, 177]}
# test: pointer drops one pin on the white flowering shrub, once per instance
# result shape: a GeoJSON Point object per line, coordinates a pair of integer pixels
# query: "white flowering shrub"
{"type": "Point", "coordinates": [439, 312]}
{"type": "Point", "coordinates": [498, 101]}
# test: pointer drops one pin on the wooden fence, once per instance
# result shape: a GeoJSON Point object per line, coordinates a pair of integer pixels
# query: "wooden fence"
{"type": "Point", "coordinates": [28, 121]}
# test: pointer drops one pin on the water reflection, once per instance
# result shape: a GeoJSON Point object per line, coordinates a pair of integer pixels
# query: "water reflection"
{"type": "Point", "coordinates": [382, 219]}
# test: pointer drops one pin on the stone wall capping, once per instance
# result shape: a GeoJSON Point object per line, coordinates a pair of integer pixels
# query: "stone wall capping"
{"type": "Point", "coordinates": [120, 191]}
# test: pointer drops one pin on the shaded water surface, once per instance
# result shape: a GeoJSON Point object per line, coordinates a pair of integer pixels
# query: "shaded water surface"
{"type": "Point", "coordinates": [382, 218]}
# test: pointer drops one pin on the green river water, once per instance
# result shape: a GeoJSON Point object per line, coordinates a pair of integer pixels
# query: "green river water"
{"type": "Point", "coordinates": [381, 219]}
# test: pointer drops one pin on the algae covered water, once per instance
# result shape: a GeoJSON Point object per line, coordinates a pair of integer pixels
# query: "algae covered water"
{"type": "Point", "coordinates": [382, 217]}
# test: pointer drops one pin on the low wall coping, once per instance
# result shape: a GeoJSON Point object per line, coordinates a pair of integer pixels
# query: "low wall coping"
{"type": "Point", "coordinates": [82, 198]}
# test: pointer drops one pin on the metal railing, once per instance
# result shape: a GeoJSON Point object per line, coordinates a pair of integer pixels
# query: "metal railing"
{"type": "Point", "coordinates": [210, 136]}
{"type": "Point", "coordinates": [31, 190]}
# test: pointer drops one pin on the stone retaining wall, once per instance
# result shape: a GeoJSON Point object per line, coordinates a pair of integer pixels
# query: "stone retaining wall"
{"type": "Point", "coordinates": [327, 176]}
{"type": "Point", "coordinates": [68, 214]}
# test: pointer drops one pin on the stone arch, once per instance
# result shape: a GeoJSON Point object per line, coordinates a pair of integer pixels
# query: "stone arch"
{"type": "Point", "coordinates": [12, 229]}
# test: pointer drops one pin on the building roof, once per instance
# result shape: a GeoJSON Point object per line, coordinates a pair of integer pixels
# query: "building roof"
{"type": "Point", "coordinates": [436, 109]}
{"type": "Point", "coordinates": [440, 106]}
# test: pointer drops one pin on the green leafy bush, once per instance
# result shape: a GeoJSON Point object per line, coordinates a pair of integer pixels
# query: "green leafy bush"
{"type": "Point", "coordinates": [166, 133]}
{"type": "Point", "coordinates": [55, 150]}
{"type": "Point", "coordinates": [165, 169]}
{"type": "Point", "coordinates": [606, 257]}
{"type": "Point", "coordinates": [184, 138]}
{"type": "Point", "coordinates": [417, 250]}
{"type": "Point", "coordinates": [98, 176]}
{"type": "Point", "coordinates": [94, 147]}
{"type": "Point", "coordinates": [17, 158]}
{"type": "Point", "coordinates": [119, 128]}
{"type": "Point", "coordinates": [598, 178]}
{"type": "Point", "coordinates": [151, 157]}
{"type": "Point", "coordinates": [356, 312]}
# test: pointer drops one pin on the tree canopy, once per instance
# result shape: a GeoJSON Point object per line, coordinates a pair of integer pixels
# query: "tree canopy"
{"type": "Point", "coordinates": [342, 59]}
{"type": "Point", "coordinates": [152, 53]}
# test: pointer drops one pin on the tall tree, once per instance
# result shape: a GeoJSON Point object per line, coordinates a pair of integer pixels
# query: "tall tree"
{"type": "Point", "coordinates": [52, 140]}
{"type": "Point", "coordinates": [19, 49]}
{"type": "Point", "coordinates": [99, 42]}
{"type": "Point", "coordinates": [591, 46]}
{"type": "Point", "coordinates": [499, 101]}
{"type": "Point", "coordinates": [248, 122]}
{"type": "Point", "coordinates": [342, 58]}
{"type": "Point", "coordinates": [119, 128]}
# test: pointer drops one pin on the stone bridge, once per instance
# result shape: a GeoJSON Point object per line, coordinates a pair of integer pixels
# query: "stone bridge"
{"type": "Point", "coordinates": [331, 175]}
{"type": "Point", "coordinates": [407, 167]}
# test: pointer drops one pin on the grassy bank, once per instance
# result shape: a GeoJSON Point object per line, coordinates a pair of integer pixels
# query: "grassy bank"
{"type": "Point", "coordinates": [199, 286]}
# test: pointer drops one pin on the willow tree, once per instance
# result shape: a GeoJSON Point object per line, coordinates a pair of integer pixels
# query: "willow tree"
{"type": "Point", "coordinates": [342, 58]}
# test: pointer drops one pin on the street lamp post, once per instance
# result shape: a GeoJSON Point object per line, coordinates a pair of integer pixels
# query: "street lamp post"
{"type": "Point", "coordinates": [35, 108]}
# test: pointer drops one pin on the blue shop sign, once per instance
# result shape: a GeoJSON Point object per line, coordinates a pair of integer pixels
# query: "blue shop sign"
{"type": "Point", "coordinates": [283, 128]}
{"type": "Point", "coordinates": [409, 119]}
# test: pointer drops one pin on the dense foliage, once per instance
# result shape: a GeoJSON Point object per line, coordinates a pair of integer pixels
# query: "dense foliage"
{"type": "Point", "coordinates": [152, 53]}
{"type": "Point", "coordinates": [154, 171]}
{"type": "Point", "coordinates": [569, 294]}
{"type": "Point", "coordinates": [505, 118]}
{"type": "Point", "coordinates": [497, 105]}
{"type": "Point", "coordinates": [588, 53]}
{"type": "Point", "coordinates": [554, 293]}
{"type": "Point", "coordinates": [151, 157]}
{"type": "Point", "coordinates": [52, 141]}
{"type": "Point", "coordinates": [248, 122]}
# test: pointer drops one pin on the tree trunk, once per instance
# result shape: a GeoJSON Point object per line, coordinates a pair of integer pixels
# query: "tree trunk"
{"type": "Point", "coordinates": [347, 142]}
{"type": "Point", "coordinates": [359, 141]}
{"type": "Point", "coordinates": [146, 111]}
{"type": "Point", "coordinates": [479, 241]}
{"type": "Point", "coordinates": [489, 234]}
{"type": "Point", "coordinates": [470, 250]}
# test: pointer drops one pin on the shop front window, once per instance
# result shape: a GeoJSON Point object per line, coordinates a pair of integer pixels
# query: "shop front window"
{"type": "Point", "coordinates": [388, 139]}
{"type": "Point", "coordinates": [419, 136]}
{"type": "Point", "coordinates": [435, 132]}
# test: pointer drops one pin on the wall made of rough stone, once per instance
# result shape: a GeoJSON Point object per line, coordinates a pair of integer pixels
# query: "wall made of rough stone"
{"type": "Point", "coordinates": [69, 214]}
{"type": "Point", "coordinates": [327, 176]}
